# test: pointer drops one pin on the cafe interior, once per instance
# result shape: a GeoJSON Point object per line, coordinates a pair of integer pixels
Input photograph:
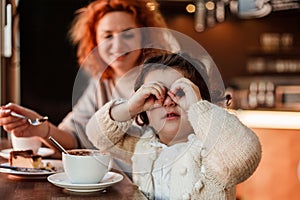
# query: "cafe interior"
{"type": "Point", "coordinates": [255, 45]}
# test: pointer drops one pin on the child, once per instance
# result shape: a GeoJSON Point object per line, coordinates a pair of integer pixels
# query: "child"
{"type": "Point", "coordinates": [186, 147]}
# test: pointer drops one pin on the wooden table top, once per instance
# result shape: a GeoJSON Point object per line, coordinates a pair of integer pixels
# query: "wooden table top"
{"type": "Point", "coordinates": [13, 187]}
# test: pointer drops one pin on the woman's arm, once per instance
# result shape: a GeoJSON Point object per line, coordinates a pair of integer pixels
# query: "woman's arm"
{"type": "Point", "coordinates": [21, 128]}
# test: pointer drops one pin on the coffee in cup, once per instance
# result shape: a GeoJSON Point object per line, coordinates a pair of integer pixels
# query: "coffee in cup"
{"type": "Point", "coordinates": [85, 166]}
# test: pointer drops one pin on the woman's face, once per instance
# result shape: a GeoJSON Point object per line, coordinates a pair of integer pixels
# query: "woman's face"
{"type": "Point", "coordinates": [119, 43]}
{"type": "Point", "coordinates": [169, 120]}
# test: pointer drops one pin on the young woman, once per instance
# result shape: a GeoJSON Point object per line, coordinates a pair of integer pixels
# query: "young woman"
{"type": "Point", "coordinates": [186, 147]}
{"type": "Point", "coordinates": [110, 44]}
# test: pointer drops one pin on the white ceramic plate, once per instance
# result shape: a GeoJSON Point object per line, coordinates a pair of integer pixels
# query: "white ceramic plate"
{"type": "Point", "coordinates": [61, 180]}
{"type": "Point", "coordinates": [56, 163]}
{"type": "Point", "coordinates": [44, 152]}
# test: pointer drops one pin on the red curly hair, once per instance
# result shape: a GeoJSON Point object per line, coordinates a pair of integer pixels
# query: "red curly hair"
{"type": "Point", "coordinates": [83, 29]}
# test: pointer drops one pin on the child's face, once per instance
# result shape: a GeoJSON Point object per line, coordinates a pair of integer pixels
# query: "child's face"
{"type": "Point", "coordinates": [169, 120]}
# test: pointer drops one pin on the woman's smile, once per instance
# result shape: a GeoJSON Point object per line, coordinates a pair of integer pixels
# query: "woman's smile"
{"type": "Point", "coordinates": [121, 57]}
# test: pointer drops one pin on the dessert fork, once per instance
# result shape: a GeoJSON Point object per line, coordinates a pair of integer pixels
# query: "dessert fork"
{"type": "Point", "coordinates": [25, 169]}
{"type": "Point", "coordinates": [33, 122]}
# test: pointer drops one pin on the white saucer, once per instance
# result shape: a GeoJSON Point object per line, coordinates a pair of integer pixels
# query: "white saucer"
{"type": "Point", "coordinates": [44, 152]}
{"type": "Point", "coordinates": [61, 180]}
{"type": "Point", "coordinates": [33, 175]}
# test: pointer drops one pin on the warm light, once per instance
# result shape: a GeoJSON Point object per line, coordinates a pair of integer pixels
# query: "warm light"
{"type": "Point", "coordinates": [151, 6]}
{"type": "Point", "coordinates": [210, 5]}
{"type": "Point", "coordinates": [190, 8]}
{"type": "Point", "coordinates": [270, 119]}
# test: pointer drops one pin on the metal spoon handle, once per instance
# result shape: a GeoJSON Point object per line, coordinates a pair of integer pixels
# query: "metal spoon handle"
{"type": "Point", "coordinates": [57, 145]}
{"type": "Point", "coordinates": [18, 115]}
{"type": "Point", "coordinates": [34, 122]}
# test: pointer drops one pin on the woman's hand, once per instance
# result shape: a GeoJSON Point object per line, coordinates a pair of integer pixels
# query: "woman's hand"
{"type": "Point", "coordinates": [20, 127]}
{"type": "Point", "coordinates": [184, 93]}
{"type": "Point", "coordinates": [146, 97]}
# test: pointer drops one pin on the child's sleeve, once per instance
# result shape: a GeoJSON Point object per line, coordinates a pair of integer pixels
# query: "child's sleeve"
{"type": "Point", "coordinates": [232, 151]}
{"type": "Point", "coordinates": [118, 138]}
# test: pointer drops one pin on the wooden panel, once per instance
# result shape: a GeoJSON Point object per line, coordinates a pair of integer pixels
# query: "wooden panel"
{"type": "Point", "coordinates": [276, 176]}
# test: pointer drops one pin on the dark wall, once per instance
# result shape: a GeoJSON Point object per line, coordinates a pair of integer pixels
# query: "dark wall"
{"type": "Point", "coordinates": [48, 60]}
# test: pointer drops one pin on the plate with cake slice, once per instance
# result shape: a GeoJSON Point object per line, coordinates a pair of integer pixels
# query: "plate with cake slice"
{"type": "Point", "coordinates": [22, 161]}
{"type": "Point", "coordinates": [43, 151]}
{"type": "Point", "coordinates": [57, 164]}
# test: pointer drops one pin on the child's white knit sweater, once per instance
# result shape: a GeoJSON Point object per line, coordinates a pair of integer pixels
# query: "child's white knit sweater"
{"type": "Point", "coordinates": [222, 153]}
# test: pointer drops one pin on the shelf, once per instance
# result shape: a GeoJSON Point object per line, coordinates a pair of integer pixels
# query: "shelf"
{"type": "Point", "coordinates": [262, 61]}
{"type": "Point", "coordinates": [281, 52]}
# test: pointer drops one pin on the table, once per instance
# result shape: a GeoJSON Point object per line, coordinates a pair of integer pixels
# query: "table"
{"type": "Point", "coordinates": [12, 187]}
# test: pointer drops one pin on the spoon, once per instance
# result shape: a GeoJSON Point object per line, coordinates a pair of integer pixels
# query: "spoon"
{"type": "Point", "coordinates": [33, 122]}
{"type": "Point", "coordinates": [57, 145]}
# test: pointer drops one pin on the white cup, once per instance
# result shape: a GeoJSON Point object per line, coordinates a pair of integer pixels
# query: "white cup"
{"type": "Point", "coordinates": [26, 143]}
{"type": "Point", "coordinates": [85, 166]}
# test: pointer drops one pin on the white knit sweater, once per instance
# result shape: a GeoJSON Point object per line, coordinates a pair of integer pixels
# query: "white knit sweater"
{"type": "Point", "coordinates": [222, 154]}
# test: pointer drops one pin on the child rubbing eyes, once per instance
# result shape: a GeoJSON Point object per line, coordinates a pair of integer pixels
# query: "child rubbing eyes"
{"type": "Point", "coordinates": [185, 147]}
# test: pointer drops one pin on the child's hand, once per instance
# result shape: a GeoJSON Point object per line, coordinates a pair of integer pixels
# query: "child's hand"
{"type": "Point", "coordinates": [146, 97]}
{"type": "Point", "coordinates": [184, 92]}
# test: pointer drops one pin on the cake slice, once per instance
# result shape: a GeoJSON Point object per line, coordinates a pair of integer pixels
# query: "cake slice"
{"type": "Point", "coordinates": [25, 158]}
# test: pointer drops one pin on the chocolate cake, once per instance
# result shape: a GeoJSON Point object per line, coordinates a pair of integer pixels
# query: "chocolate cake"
{"type": "Point", "coordinates": [25, 158]}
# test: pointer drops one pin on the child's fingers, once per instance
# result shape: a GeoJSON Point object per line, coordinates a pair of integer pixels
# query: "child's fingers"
{"type": "Point", "coordinates": [161, 90]}
{"type": "Point", "coordinates": [157, 89]}
{"type": "Point", "coordinates": [173, 97]}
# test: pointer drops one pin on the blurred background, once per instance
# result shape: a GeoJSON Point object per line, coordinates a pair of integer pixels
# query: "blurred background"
{"type": "Point", "coordinates": [255, 44]}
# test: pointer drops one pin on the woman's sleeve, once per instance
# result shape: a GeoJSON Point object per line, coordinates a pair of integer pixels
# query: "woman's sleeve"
{"type": "Point", "coordinates": [75, 122]}
{"type": "Point", "coordinates": [118, 138]}
{"type": "Point", "coordinates": [232, 151]}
